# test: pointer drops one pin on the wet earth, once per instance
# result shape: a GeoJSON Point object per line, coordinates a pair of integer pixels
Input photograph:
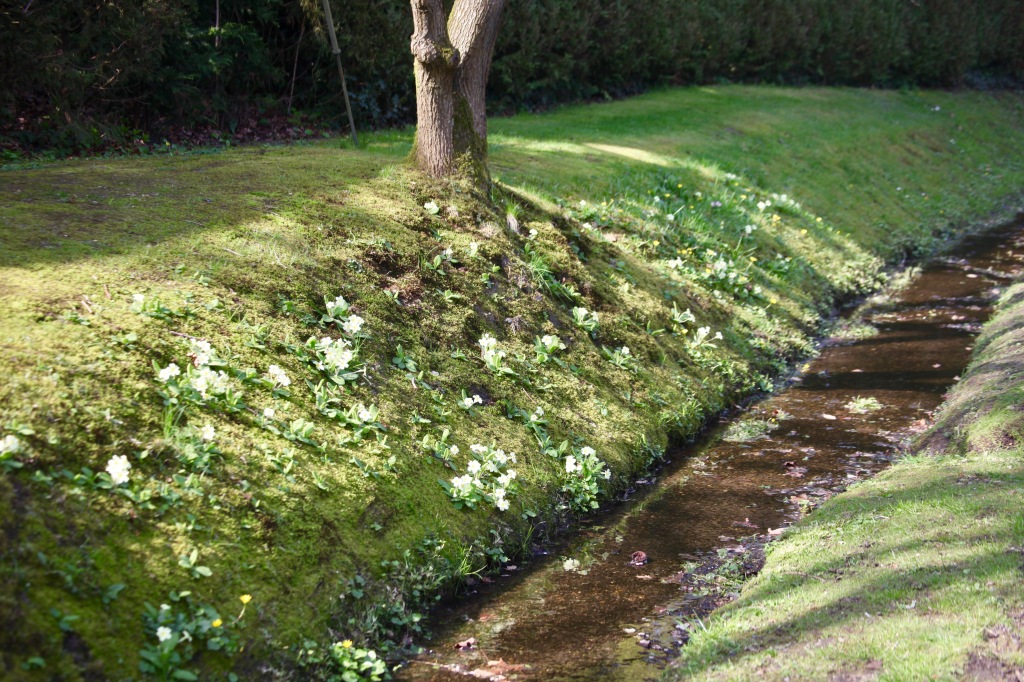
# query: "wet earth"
{"type": "Point", "coordinates": [702, 524]}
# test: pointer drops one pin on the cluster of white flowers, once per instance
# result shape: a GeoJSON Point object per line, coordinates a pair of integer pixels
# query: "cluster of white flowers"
{"type": "Point", "coordinates": [570, 565]}
{"type": "Point", "coordinates": [352, 325]}
{"type": "Point", "coordinates": [492, 356]}
{"type": "Point", "coordinates": [207, 381]}
{"type": "Point", "coordinates": [337, 354]}
{"type": "Point", "coordinates": [487, 477]}
{"type": "Point", "coordinates": [701, 338]}
{"type": "Point", "coordinates": [119, 468]}
{"type": "Point", "coordinates": [278, 377]}
{"type": "Point", "coordinates": [467, 402]}
{"type": "Point", "coordinates": [201, 352]}
{"type": "Point", "coordinates": [675, 263]}
{"type": "Point", "coordinates": [169, 372]}
{"type": "Point", "coordinates": [207, 433]}
{"type": "Point", "coordinates": [339, 313]}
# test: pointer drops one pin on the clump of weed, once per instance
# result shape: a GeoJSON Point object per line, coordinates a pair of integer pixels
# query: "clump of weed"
{"type": "Point", "coordinates": [863, 405]}
{"type": "Point", "coordinates": [749, 429]}
{"type": "Point", "coordinates": [853, 330]}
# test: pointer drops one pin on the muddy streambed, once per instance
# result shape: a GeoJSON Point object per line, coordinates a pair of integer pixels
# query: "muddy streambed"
{"type": "Point", "coordinates": [701, 525]}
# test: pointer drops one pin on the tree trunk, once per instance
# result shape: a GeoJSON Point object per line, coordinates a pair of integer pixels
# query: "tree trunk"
{"type": "Point", "coordinates": [452, 61]}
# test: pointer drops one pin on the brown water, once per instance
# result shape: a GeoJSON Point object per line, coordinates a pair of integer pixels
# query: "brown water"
{"type": "Point", "coordinates": [611, 620]}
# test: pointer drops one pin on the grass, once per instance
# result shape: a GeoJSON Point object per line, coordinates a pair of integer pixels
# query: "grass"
{"type": "Point", "coordinates": [328, 512]}
{"type": "Point", "coordinates": [914, 574]}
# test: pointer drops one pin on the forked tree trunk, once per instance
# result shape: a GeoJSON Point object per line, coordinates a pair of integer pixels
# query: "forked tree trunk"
{"type": "Point", "coordinates": [452, 61]}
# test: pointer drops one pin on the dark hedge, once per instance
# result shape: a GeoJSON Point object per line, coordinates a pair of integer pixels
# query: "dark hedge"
{"type": "Point", "coordinates": [82, 74]}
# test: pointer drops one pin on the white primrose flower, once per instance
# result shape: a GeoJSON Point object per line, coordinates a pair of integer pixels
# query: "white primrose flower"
{"type": "Point", "coordinates": [624, 350]}
{"type": "Point", "coordinates": [473, 466]}
{"type": "Point", "coordinates": [477, 399]}
{"type": "Point", "coordinates": [478, 449]}
{"type": "Point", "coordinates": [607, 474]}
{"type": "Point", "coordinates": [339, 306]}
{"type": "Point", "coordinates": [571, 465]}
{"type": "Point", "coordinates": [207, 433]}
{"type": "Point", "coordinates": [278, 376]}
{"type": "Point", "coordinates": [138, 298]}
{"type": "Point", "coordinates": [467, 402]}
{"type": "Point", "coordinates": [453, 449]}
{"type": "Point", "coordinates": [119, 467]}
{"type": "Point", "coordinates": [502, 504]}
{"type": "Point", "coordinates": [352, 325]}
{"type": "Point", "coordinates": [268, 412]}
{"type": "Point", "coordinates": [201, 352]}
{"type": "Point", "coordinates": [10, 445]}
{"type": "Point", "coordinates": [365, 415]}
{"type": "Point", "coordinates": [570, 565]}
{"type": "Point", "coordinates": [587, 451]}
{"type": "Point", "coordinates": [163, 633]}
{"type": "Point", "coordinates": [169, 372]}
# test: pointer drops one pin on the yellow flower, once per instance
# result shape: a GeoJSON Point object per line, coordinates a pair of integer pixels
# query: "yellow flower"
{"type": "Point", "coordinates": [753, 259]}
{"type": "Point", "coordinates": [803, 231]}
{"type": "Point", "coordinates": [217, 623]}
{"type": "Point", "coordinates": [347, 644]}
{"type": "Point", "coordinates": [245, 598]}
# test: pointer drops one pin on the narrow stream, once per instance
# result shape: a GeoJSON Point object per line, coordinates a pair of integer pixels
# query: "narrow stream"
{"type": "Point", "coordinates": [714, 507]}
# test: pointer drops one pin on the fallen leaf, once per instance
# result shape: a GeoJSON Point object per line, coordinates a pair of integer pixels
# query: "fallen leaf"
{"type": "Point", "coordinates": [637, 558]}
{"type": "Point", "coordinates": [830, 417]}
{"type": "Point", "coordinates": [466, 644]}
{"type": "Point", "coordinates": [776, 531]}
{"type": "Point", "coordinates": [645, 577]}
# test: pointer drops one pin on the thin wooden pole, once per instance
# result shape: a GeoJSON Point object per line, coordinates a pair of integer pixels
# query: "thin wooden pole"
{"type": "Point", "coordinates": [341, 71]}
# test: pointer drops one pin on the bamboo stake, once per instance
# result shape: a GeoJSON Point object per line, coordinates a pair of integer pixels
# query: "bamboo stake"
{"type": "Point", "coordinates": [341, 71]}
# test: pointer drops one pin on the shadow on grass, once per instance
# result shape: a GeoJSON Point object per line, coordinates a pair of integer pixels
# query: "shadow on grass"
{"type": "Point", "coordinates": [891, 591]}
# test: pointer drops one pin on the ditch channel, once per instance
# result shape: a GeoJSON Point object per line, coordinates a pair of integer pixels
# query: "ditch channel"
{"type": "Point", "coordinates": [680, 544]}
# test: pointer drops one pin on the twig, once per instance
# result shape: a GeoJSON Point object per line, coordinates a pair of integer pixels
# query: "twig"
{"type": "Point", "coordinates": [185, 336]}
{"type": "Point", "coordinates": [230, 251]}
{"type": "Point", "coordinates": [85, 304]}
{"type": "Point", "coordinates": [106, 290]}
{"type": "Point", "coordinates": [805, 575]}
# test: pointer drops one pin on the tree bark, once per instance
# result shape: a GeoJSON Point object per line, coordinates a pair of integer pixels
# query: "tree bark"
{"type": "Point", "coordinates": [451, 62]}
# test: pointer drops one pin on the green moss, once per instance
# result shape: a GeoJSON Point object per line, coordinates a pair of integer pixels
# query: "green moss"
{"type": "Point", "coordinates": [241, 248]}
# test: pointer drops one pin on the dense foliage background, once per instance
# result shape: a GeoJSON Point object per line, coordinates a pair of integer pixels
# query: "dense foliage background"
{"type": "Point", "coordinates": [78, 74]}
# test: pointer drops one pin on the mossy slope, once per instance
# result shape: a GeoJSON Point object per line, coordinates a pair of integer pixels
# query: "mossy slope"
{"type": "Point", "coordinates": [636, 206]}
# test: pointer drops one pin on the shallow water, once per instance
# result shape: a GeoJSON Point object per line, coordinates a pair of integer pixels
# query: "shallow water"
{"type": "Point", "coordinates": [717, 503]}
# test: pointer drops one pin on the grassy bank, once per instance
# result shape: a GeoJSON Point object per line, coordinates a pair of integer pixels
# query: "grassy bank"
{"type": "Point", "coordinates": [912, 575]}
{"type": "Point", "coordinates": [292, 455]}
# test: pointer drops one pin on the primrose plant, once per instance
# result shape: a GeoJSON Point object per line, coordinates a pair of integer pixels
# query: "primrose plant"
{"type": "Point", "coordinates": [585, 319]}
{"type": "Point", "coordinates": [546, 346]}
{"type": "Point", "coordinates": [487, 479]}
{"type": "Point", "coordinates": [581, 479]}
{"type": "Point", "coordinates": [493, 357]}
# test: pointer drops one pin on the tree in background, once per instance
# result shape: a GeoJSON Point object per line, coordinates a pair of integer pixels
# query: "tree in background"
{"type": "Point", "coordinates": [452, 59]}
